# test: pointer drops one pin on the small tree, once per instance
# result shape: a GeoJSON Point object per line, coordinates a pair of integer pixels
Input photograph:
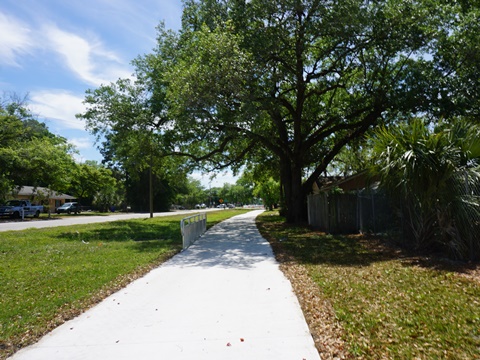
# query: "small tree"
{"type": "Point", "coordinates": [106, 197]}
{"type": "Point", "coordinates": [269, 192]}
{"type": "Point", "coordinates": [190, 192]}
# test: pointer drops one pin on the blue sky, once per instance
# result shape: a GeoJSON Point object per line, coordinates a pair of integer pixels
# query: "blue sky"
{"type": "Point", "coordinates": [54, 50]}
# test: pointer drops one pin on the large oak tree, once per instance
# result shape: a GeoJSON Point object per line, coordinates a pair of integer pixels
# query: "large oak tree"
{"type": "Point", "coordinates": [292, 82]}
{"type": "Point", "coordinates": [299, 79]}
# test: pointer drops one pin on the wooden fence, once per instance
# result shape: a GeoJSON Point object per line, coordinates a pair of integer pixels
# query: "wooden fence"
{"type": "Point", "coordinates": [349, 213]}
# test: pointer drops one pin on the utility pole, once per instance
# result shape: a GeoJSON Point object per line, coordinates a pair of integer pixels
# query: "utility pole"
{"type": "Point", "coordinates": [151, 178]}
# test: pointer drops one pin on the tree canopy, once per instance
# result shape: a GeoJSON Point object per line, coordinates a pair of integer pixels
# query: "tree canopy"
{"type": "Point", "coordinates": [291, 82]}
{"type": "Point", "coordinates": [29, 153]}
{"type": "Point", "coordinates": [128, 119]}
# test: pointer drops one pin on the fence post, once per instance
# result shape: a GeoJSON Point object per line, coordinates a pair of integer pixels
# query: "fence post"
{"type": "Point", "coordinates": [373, 213]}
{"type": "Point", "coordinates": [470, 239]}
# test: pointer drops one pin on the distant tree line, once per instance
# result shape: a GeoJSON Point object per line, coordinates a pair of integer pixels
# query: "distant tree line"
{"type": "Point", "coordinates": [30, 155]}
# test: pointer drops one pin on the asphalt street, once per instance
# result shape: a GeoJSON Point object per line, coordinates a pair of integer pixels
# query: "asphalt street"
{"type": "Point", "coordinates": [82, 219]}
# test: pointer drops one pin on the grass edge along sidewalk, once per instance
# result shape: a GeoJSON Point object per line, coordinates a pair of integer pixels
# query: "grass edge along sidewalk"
{"type": "Point", "coordinates": [365, 300]}
{"type": "Point", "coordinates": [51, 275]}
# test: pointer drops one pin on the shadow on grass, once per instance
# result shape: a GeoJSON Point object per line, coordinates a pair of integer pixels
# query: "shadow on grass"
{"type": "Point", "coordinates": [145, 236]}
{"type": "Point", "coordinates": [156, 245]}
{"type": "Point", "coordinates": [307, 246]}
{"type": "Point", "coordinates": [312, 247]}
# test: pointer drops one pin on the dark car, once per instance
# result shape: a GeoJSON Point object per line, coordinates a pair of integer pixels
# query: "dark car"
{"type": "Point", "coordinates": [69, 208]}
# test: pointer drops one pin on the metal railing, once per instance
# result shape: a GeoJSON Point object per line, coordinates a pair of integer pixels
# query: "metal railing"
{"type": "Point", "coordinates": [192, 228]}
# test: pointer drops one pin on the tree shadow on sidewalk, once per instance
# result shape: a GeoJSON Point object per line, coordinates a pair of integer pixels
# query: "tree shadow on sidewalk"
{"type": "Point", "coordinates": [231, 244]}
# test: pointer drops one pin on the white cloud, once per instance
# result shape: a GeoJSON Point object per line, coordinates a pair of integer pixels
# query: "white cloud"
{"type": "Point", "coordinates": [88, 59]}
{"type": "Point", "coordinates": [84, 147]}
{"type": "Point", "coordinates": [81, 143]}
{"type": "Point", "coordinates": [14, 41]}
{"type": "Point", "coordinates": [59, 106]}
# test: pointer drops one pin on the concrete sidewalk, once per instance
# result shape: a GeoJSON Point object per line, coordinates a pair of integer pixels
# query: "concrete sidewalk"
{"type": "Point", "coordinates": [223, 298]}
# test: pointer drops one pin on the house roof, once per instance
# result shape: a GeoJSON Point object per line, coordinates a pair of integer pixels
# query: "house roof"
{"type": "Point", "coordinates": [43, 191]}
{"type": "Point", "coordinates": [357, 181]}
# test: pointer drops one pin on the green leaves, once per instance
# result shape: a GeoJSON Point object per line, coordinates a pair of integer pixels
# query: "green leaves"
{"type": "Point", "coordinates": [212, 71]}
{"type": "Point", "coordinates": [296, 81]}
{"type": "Point", "coordinates": [269, 191]}
{"type": "Point", "coordinates": [29, 153]}
{"type": "Point", "coordinates": [300, 79]}
{"type": "Point", "coordinates": [432, 174]}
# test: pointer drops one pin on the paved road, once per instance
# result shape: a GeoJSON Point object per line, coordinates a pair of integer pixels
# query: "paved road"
{"type": "Point", "coordinates": [79, 219]}
{"type": "Point", "coordinates": [224, 298]}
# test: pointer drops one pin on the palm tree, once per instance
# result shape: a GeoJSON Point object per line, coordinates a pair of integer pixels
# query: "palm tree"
{"type": "Point", "coordinates": [433, 175]}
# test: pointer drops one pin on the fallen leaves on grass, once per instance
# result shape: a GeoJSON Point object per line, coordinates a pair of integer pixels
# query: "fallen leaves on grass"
{"type": "Point", "coordinates": [326, 331]}
{"type": "Point", "coordinates": [388, 303]}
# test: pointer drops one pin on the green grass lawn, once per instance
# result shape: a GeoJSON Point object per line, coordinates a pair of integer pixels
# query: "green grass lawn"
{"type": "Point", "coordinates": [391, 305]}
{"type": "Point", "coordinates": [50, 275]}
{"type": "Point", "coordinates": [83, 213]}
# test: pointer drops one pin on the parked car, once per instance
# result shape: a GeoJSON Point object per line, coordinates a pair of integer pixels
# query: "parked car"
{"type": "Point", "coordinates": [69, 208]}
{"type": "Point", "coordinates": [17, 208]}
{"type": "Point", "coordinates": [177, 207]}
